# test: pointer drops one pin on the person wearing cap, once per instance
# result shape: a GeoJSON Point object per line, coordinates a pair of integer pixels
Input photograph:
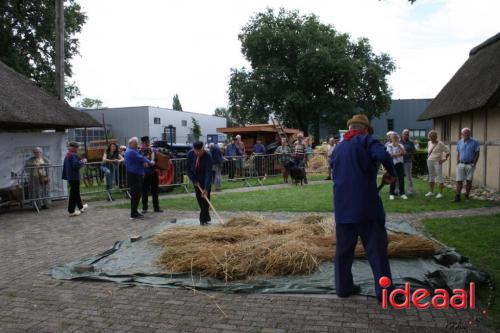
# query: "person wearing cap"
{"type": "Point", "coordinates": [71, 173]}
{"type": "Point", "coordinates": [151, 178]}
{"type": "Point", "coordinates": [467, 157]}
{"type": "Point", "coordinates": [135, 163]}
{"type": "Point", "coordinates": [358, 208]}
{"type": "Point", "coordinates": [199, 170]}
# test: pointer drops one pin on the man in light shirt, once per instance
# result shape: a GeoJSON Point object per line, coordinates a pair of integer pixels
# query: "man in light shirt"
{"type": "Point", "coordinates": [467, 156]}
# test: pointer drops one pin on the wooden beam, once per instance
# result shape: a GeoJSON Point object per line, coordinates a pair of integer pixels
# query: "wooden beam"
{"type": "Point", "coordinates": [59, 82]}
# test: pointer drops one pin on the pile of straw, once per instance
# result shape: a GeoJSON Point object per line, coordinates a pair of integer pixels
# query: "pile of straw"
{"type": "Point", "coordinates": [248, 246]}
{"type": "Point", "coordinates": [317, 164]}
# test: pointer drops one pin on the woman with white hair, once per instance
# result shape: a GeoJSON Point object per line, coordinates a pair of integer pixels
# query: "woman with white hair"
{"type": "Point", "coordinates": [437, 154]}
{"type": "Point", "coordinates": [397, 152]}
{"type": "Point", "coordinates": [38, 179]}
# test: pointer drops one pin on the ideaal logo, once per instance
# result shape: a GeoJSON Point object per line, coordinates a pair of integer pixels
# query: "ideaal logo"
{"type": "Point", "coordinates": [440, 300]}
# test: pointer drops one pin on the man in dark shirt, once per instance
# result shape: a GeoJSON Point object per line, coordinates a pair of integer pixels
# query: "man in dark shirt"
{"type": "Point", "coordinates": [259, 149]}
{"type": "Point", "coordinates": [71, 173]}
{"type": "Point", "coordinates": [358, 207]}
{"type": "Point", "coordinates": [151, 178]}
{"type": "Point", "coordinates": [233, 155]}
{"type": "Point", "coordinates": [217, 161]}
{"type": "Point", "coordinates": [199, 170]}
{"type": "Point", "coordinates": [409, 147]}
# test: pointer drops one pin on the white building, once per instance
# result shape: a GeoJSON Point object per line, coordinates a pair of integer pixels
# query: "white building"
{"type": "Point", "coordinates": [124, 123]}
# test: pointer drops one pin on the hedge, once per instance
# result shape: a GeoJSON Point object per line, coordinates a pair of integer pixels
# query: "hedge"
{"type": "Point", "coordinates": [419, 160]}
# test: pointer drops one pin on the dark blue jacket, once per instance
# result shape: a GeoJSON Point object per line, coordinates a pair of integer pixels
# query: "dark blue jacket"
{"type": "Point", "coordinates": [354, 165]}
{"type": "Point", "coordinates": [259, 148]}
{"type": "Point", "coordinates": [216, 154]}
{"type": "Point", "coordinates": [232, 150]}
{"type": "Point", "coordinates": [134, 161]}
{"type": "Point", "coordinates": [203, 174]}
{"type": "Point", "coordinates": [71, 167]}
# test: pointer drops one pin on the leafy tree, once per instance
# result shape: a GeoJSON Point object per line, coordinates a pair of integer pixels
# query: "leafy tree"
{"type": "Point", "coordinates": [224, 113]}
{"type": "Point", "coordinates": [90, 103]}
{"type": "Point", "coordinates": [176, 103]}
{"type": "Point", "coordinates": [27, 39]}
{"type": "Point", "coordinates": [306, 74]}
{"type": "Point", "coordinates": [196, 129]}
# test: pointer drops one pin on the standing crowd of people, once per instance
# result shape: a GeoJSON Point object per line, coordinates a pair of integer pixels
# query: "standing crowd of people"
{"type": "Point", "coordinates": [205, 168]}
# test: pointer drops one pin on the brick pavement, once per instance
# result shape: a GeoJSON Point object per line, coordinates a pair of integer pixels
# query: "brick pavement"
{"type": "Point", "coordinates": [31, 301]}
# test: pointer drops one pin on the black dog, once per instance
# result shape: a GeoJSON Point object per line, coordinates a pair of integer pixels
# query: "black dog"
{"type": "Point", "coordinates": [298, 174]}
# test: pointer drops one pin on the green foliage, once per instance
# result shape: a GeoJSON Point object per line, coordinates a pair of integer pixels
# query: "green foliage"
{"type": "Point", "coordinates": [176, 103]}
{"type": "Point", "coordinates": [90, 103]}
{"type": "Point", "coordinates": [306, 74]}
{"type": "Point", "coordinates": [224, 113]}
{"type": "Point", "coordinates": [419, 163]}
{"type": "Point", "coordinates": [196, 129]}
{"type": "Point", "coordinates": [27, 40]}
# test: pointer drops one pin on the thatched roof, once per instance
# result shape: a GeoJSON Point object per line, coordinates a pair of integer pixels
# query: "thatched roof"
{"type": "Point", "coordinates": [475, 85]}
{"type": "Point", "coordinates": [23, 106]}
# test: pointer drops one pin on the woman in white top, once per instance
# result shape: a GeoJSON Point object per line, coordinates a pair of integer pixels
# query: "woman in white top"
{"type": "Point", "coordinates": [397, 151]}
{"type": "Point", "coordinates": [437, 154]}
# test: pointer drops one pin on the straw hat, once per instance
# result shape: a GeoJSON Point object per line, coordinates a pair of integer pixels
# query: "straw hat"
{"type": "Point", "coordinates": [360, 119]}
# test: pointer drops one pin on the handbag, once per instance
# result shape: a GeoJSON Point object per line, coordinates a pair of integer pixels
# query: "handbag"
{"type": "Point", "coordinates": [44, 180]}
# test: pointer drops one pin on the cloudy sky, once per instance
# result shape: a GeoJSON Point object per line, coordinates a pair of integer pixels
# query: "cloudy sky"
{"type": "Point", "coordinates": [143, 52]}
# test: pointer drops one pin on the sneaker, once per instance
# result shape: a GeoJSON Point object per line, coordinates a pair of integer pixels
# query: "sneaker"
{"type": "Point", "coordinates": [404, 197]}
{"type": "Point", "coordinates": [429, 194]}
{"type": "Point", "coordinates": [439, 196]}
{"type": "Point", "coordinates": [84, 208]}
{"type": "Point", "coordinates": [466, 196]}
{"type": "Point", "coordinates": [391, 197]}
{"type": "Point", "coordinates": [75, 213]}
{"type": "Point", "coordinates": [137, 217]}
{"type": "Point", "coordinates": [144, 211]}
{"type": "Point", "coordinates": [158, 210]}
{"type": "Point", "coordinates": [456, 199]}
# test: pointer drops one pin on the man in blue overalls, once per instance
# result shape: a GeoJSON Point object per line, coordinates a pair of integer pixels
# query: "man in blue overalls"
{"type": "Point", "coordinates": [358, 207]}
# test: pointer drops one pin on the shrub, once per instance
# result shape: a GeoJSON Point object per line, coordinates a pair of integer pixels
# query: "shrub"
{"type": "Point", "coordinates": [419, 160]}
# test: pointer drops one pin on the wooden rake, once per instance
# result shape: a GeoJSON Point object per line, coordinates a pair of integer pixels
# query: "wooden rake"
{"type": "Point", "coordinates": [211, 206]}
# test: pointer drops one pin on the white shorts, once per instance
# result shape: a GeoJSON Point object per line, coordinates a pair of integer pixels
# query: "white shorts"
{"type": "Point", "coordinates": [465, 172]}
{"type": "Point", "coordinates": [435, 171]}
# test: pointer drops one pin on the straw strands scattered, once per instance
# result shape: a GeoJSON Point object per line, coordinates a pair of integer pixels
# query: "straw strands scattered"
{"type": "Point", "coordinates": [248, 245]}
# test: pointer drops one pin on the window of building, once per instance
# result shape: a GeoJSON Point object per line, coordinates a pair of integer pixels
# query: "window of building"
{"type": "Point", "coordinates": [446, 134]}
{"type": "Point", "coordinates": [184, 123]}
{"type": "Point", "coordinates": [170, 134]}
{"type": "Point", "coordinates": [418, 133]}
{"type": "Point", "coordinates": [93, 134]}
{"type": "Point", "coordinates": [157, 120]}
{"type": "Point", "coordinates": [390, 125]}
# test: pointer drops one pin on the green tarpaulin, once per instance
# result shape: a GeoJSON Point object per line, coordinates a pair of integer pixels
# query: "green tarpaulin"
{"type": "Point", "coordinates": [133, 261]}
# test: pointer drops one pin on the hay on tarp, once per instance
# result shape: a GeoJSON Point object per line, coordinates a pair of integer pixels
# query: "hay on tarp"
{"type": "Point", "coordinates": [248, 246]}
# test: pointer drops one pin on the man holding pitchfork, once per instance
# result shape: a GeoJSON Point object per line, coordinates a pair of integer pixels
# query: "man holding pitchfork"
{"type": "Point", "coordinates": [199, 170]}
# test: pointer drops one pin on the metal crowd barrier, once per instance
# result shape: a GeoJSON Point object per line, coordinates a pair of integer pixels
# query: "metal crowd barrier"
{"type": "Point", "coordinates": [44, 183]}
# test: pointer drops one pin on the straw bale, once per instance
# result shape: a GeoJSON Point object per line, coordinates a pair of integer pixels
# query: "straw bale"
{"type": "Point", "coordinates": [249, 245]}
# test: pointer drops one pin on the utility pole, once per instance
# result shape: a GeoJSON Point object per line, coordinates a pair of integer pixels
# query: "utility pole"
{"type": "Point", "coordinates": [60, 49]}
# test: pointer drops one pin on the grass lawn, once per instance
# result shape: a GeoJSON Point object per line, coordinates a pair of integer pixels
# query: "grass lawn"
{"type": "Point", "coordinates": [477, 238]}
{"type": "Point", "coordinates": [272, 180]}
{"type": "Point", "coordinates": [316, 198]}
